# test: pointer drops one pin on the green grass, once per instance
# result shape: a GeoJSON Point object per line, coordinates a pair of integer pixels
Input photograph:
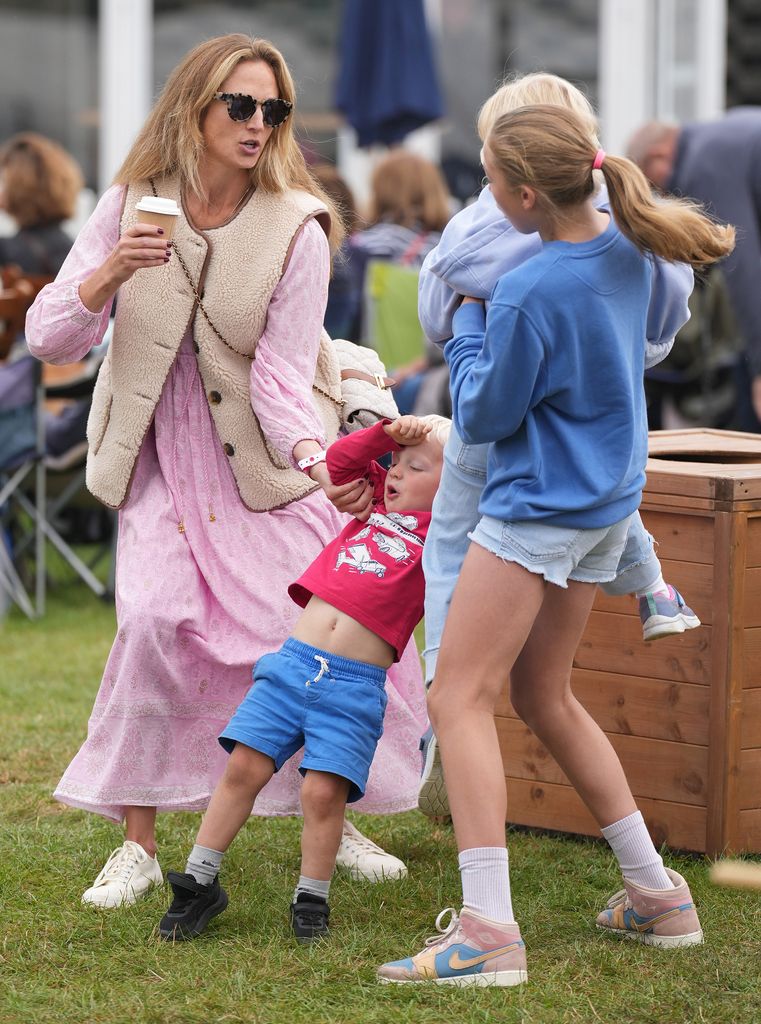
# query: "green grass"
{"type": "Point", "coordinates": [62, 962]}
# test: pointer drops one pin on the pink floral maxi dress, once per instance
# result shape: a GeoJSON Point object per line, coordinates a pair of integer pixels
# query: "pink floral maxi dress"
{"type": "Point", "coordinates": [196, 609]}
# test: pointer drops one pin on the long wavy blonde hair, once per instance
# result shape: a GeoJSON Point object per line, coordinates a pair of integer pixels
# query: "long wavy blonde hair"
{"type": "Point", "coordinates": [548, 148]}
{"type": "Point", "coordinates": [171, 140]}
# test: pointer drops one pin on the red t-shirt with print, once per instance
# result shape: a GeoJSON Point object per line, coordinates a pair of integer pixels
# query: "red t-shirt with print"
{"type": "Point", "coordinates": [372, 571]}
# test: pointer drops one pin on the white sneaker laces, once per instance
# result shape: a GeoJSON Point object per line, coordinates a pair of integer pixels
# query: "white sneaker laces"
{"type": "Point", "coordinates": [622, 896]}
{"type": "Point", "coordinates": [444, 932]}
{"type": "Point", "coordinates": [118, 867]}
{"type": "Point", "coordinates": [358, 843]}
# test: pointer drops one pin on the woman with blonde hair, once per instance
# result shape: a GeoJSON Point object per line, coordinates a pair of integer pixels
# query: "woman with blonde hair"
{"type": "Point", "coordinates": [526, 379]}
{"type": "Point", "coordinates": [39, 186]}
{"type": "Point", "coordinates": [478, 246]}
{"type": "Point", "coordinates": [208, 429]}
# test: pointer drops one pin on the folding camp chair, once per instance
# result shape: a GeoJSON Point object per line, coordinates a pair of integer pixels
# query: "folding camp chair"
{"type": "Point", "coordinates": [21, 451]}
{"type": "Point", "coordinates": [24, 471]}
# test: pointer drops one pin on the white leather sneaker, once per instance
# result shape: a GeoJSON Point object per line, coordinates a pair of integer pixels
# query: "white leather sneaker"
{"type": "Point", "coordinates": [127, 875]}
{"type": "Point", "coordinates": [363, 858]}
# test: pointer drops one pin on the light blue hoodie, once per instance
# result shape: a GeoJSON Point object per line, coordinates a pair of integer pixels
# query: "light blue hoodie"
{"type": "Point", "coordinates": [479, 245]}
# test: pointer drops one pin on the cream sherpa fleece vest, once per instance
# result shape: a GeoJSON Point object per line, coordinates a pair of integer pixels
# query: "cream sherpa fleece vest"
{"type": "Point", "coordinates": [235, 268]}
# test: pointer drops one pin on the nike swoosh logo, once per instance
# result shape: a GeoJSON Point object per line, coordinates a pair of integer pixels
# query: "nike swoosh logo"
{"type": "Point", "coordinates": [456, 963]}
{"type": "Point", "coordinates": [643, 923]}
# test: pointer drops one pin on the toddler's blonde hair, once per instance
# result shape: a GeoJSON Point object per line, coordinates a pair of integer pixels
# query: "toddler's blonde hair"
{"type": "Point", "coordinates": [528, 90]}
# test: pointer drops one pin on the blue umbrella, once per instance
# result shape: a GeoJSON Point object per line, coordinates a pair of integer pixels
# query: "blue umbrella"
{"type": "Point", "coordinates": [387, 85]}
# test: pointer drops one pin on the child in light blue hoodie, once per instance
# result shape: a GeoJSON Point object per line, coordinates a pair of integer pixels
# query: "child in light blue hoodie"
{"type": "Point", "coordinates": [477, 247]}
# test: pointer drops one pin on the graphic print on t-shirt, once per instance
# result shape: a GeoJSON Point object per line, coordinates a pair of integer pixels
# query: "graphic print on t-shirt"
{"type": "Point", "coordinates": [393, 530]}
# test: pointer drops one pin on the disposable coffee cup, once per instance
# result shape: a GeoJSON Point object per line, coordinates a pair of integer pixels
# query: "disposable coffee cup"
{"type": "Point", "coordinates": [159, 211]}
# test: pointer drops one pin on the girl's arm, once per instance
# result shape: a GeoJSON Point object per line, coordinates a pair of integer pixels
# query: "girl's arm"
{"type": "Point", "coordinates": [497, 370]}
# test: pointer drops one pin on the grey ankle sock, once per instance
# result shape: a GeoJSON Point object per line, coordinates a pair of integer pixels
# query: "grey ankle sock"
{"type": "Point", "coordinates": [203, 864]}
{"type": "Point", "coordinates": [314, 886]}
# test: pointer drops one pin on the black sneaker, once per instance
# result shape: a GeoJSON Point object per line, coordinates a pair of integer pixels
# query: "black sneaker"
{"type": "Point", "coordinates": [309, 917]}
{"type": "Point", "coordinates": [192, 908]}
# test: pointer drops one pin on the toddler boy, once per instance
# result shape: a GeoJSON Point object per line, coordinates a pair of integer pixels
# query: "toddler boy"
{"type": "Point", "coordinates": [324, 690]}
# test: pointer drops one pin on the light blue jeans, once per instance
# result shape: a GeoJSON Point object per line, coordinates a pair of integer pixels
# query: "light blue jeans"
{"type": "Point", "coordinates": [455, 515]}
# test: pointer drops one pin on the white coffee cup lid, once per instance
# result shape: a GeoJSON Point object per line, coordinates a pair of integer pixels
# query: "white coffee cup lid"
{"type": "Point", "coordinates": [157, 204]}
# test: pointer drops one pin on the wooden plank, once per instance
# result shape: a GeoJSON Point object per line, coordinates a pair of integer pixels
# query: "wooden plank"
{"type": "Point", "coordinates": [750, 733]}
{"type": "Point", "coordinates": [748, 835]}
{"type": "Point", "coordinates": [616, 640]}
{"type": "Point", "coordinates": [682, 536]}
{"type": "Point", "coordinates": [637, 706]}
{"type": "Point", "coordinates": [549, 806]}
{"type": "Point", "coordinates": [726, 681]}
{"type": "Point", "coordinates": [753, 554]}
{"type": "Point", "coordinates": [703, 439]}
{"type": "Point", "coordinates": [688, 503]}
{"type": "Point", "coordinates": [693, 580]}
{"type": "Point", "coordinates": [657, 769]}
{"type": "Point", "coordinates": [749, 788]}
{"type": "Point", "coordinates": [751, 662]}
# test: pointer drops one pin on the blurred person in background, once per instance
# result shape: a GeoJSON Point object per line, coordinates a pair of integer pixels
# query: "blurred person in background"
{"type": "Point", "coordinates": [343, 300]}
{"type": "Point", "coordinates": [409, 207]}
{"type": "Point", "coordinates": [39, 186]}
{"type": "Point", "coordinates": [214, 458]}
{"type": "Point", "coordinates": [718, 163]}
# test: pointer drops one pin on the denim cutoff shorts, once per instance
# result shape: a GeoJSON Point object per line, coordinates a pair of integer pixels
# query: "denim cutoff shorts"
{"type": "Point", "coordinates": [303, 696]}
{"type": "Point", "coordinates": [558, 553]}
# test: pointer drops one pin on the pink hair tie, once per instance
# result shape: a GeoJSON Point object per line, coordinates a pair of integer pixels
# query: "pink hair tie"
{"type": "Point", "coordinates": [599, 157]}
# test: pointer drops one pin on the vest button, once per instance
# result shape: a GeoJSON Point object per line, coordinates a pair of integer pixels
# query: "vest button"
{"type": "Point", "coordinates": [196, 347]}
{"type": "Point", "coordinates": [214, 397]}
{"type": "Point", "coordinates": [229, 450]}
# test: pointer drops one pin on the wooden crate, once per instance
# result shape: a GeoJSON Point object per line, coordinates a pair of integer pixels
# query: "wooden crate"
{"type": "Point", "coordinates": [683, 713]}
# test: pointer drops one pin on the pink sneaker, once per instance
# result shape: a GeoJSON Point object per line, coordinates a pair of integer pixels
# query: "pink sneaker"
{"type": "Point", "coordinates": [657, 917]}
{"type": "Point", "coordinates": [471, 950]}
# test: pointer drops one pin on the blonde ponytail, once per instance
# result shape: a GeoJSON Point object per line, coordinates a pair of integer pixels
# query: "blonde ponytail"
{"type": "Point", "coordinates": [674, 229]}
{"type": "Point", "coordinates": [548, 148]}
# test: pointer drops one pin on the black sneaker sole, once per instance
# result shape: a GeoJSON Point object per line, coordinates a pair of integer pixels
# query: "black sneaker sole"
{"type": "Point", "coordinates": [181, 933]}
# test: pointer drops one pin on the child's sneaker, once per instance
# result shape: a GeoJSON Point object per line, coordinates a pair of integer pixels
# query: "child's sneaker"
{"type": "Point", "coordinates": [656, 917]}
{"type": "Point", "coordinates": [309, 917]}
{"type": "Point", "coordinates": [193, 906]}
{"type": "Point", "coordinates": [664, 614]}
{"type": "Point", "coordinates": [471, 950]}
{"type": "Point", "coordinates": [432, 797]}
{"type": "Point", "coordinates": [127, 875]}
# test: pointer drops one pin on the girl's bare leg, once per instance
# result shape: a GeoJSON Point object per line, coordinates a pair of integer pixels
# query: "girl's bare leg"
{"type": "Point", "coordinates": [493, 609]}
{"type": "Point", "coordinates": [540, 690]}
{"type": "Point", "coordinates": [246, 774]}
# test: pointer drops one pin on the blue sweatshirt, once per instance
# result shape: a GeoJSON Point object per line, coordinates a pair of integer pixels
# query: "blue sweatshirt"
{"type": "Point", "coordinates": [479, 245]}
{"type": "Point", "coordinates": [552, 375]}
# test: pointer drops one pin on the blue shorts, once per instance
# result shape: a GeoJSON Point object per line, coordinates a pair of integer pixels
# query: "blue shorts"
{"type": "Point", "coordinates": [305, 697]}
{"type": "Point", "coordinates": [558, 553]}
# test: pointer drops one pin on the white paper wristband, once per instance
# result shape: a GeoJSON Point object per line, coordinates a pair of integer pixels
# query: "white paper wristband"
{"type": "Point", "coordinates": [311, 460]}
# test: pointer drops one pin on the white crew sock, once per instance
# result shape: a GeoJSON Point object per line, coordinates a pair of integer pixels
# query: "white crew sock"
{"type": "Point", "coordinates": [485, 874]}
{"type": "Point", "coordinates": [658, 586]}
{"type": "Point", "coordinates": [314, 886]}
{"type": "Point", "coordinates": [203, 864]}
{"type": "Point", "coordinates": [637, 857]}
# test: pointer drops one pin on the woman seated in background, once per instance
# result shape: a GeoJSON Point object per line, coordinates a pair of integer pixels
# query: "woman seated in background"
{"type": "Point", "coordinates": [39, 186]}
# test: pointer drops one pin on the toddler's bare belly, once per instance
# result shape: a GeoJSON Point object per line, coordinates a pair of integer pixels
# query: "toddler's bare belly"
{"type": "Point", "coordinates": [322, 625]}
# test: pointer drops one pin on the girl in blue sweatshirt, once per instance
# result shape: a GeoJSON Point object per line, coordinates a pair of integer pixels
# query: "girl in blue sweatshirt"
{"type": "Point", "coordinates": [551, 379]}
